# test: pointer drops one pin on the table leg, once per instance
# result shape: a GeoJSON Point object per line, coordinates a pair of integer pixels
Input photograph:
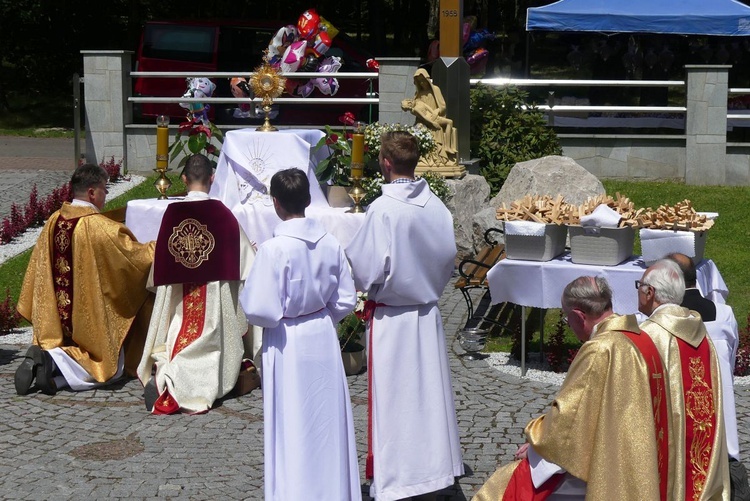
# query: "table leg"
{"type": "Point", "coordinates": [523, 341]}
{"type": "Point", "coordinates": [541, 332]}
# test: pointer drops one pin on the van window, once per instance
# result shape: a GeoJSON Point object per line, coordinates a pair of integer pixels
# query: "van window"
{"type": "Point", "coordinates": [182, 43]}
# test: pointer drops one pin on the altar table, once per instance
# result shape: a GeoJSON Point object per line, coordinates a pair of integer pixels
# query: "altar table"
{"type": "Point", "coordinates": [540, 284]}
{"type": "Point", "coordinates": [247, 162]}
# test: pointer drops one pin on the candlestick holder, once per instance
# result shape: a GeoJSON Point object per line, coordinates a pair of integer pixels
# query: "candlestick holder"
{"type": "Point", "coordinates": [356, 193]}
{"type": "Point", "coordinates": [163, 183]}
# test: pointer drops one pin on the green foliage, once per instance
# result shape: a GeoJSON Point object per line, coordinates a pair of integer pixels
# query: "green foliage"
{"type": "Point", "coordinates": [198, 141]}
{"type": "Point", "coordinates": [336, 166]}
{"type": "Point", "coordinates": [505, 131]}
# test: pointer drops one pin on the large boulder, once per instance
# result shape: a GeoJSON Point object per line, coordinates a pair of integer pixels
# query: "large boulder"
{"type": "Point", "coordinates": [469, 195]}
{"type": "Point", "coordinates": [551, 175]}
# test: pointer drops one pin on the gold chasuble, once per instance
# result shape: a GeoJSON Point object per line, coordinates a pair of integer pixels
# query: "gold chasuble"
{"type": "Point", "coordinates": [698, 454]}
{"type": "Point", "coordinates": [608, 425]}
{"type": "Point", "coordinates": [85, 290]}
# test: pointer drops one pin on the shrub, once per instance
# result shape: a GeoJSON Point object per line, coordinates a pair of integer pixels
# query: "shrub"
{"type": "Point", "coordinates": [558, 355]}
{"type": "Point", "coordinates": [9, 316]}
{"type": "Point", "coordinates": [112, 168]}
{"type": "Point", "coordinates": [742, 364]}
{"type": "Point", "coordinates": [505, 130]}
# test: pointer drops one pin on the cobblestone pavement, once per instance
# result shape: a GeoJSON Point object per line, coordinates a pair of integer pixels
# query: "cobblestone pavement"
{"type": "Point", "coordinates": [103, 444]}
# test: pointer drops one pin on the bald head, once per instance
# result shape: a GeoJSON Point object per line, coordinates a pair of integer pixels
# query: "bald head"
{"type": "Point", "coordinates": [687, 266]}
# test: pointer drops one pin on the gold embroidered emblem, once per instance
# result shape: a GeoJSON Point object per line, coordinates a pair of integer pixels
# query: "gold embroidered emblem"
{"type": "Point", "coordinates": [191, 243]}
{"type": "Point", "coordinates": [699, 405]}
{"type": "Point", "coordinates": [656, 403]}
{"type": "Point", "coordinates": [62, 240]}
{"type": "Point", "coordinates": [62, 299]}
{"type": "Point", "coordinates": [61, 265]}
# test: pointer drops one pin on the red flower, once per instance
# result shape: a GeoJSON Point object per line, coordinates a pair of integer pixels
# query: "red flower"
{"type": "Point", "coordinates": [185, 126]}
{"type": "Point", "coordinates": [348, 136]}
{"type": "Point", "coordinates": [211, 149]}
{"type": "Point", "coordinates": [347, 118]}
{"type": "Point", "coordinates": [332, 139]}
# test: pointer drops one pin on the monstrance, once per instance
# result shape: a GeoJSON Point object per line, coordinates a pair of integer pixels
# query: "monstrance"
{"type": "Point", "coordinates": [267, 84]}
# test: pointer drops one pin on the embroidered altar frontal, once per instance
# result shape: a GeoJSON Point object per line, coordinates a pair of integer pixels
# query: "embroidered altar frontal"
{"type": "Point", "coordinates": [198, 242]}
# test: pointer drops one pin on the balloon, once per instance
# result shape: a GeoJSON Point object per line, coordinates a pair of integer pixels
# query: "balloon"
{"type": "Point", "coordinates": [327, 86]}
{"type": "Point", "coordinates": [291, 86]}
{"type": "Point", "coordinates": [372, 64]}
{"type": "Point", "coordinates": [305, 90]}
{"type": "Point", "coordinates": [292, 59]}
{"type": "Point", "coordinates": [331, 64]}
{"type": "Point", "coordinates": [198, 87]}
{"type": "Point", "coordinates": [308, 24]}
{"type": "Point", "coordinates": [281, 40]}
{"type": "Point", "coordinates": [240, 89]}
{"type": "Point", "coordinates": [477, 56]}
{"type": "Point", "coordinates": [309, 62]}
{"type": "Point", "coordinates": [321, 44]}
{"type": "Point", "coordinates": [326, 26]}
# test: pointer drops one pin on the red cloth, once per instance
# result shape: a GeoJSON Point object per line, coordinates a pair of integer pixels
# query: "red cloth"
{"type": "Point", "coordinates": [700, 414]}
{"type": "Point", "coordinates": [657, 381]}
{"type": "Point", "coordinates": [521, 487]}
{"type": "Point", "coordinates": [186, 249]}
{"type": "Point", "coordinates": [368, 312]}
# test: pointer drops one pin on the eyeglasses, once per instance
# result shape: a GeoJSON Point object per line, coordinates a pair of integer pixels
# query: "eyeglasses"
{"type": "Point", "coordinates": [639, 284]}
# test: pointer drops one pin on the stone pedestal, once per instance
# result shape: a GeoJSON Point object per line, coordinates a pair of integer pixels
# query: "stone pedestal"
{"type": "Point", "coordinates": [456, 171]}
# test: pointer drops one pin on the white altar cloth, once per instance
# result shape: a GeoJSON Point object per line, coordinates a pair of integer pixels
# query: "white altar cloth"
{"type": "Point", "coordinates": [247, 162]}
{"type": "Point", "coordinates": [540, 284]}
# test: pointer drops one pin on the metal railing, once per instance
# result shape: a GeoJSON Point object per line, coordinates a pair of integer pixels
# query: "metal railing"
{"type": "Point", "coordinates": [370, 76]}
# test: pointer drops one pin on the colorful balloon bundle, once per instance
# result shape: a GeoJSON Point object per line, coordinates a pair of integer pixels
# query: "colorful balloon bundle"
{"type": "Point", "coordinates": [301, 48]}
{"type": "Point", "coordinates": [473, 46]}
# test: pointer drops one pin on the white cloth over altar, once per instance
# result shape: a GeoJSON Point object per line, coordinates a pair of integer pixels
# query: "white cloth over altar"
{"type": "Point", "coordinates": [247, 162]}
{"type": "Point", "coordinates": [243, 175]}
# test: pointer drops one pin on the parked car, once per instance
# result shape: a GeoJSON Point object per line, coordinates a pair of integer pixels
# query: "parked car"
{"type": "Point", "coordinates": [225, 46]}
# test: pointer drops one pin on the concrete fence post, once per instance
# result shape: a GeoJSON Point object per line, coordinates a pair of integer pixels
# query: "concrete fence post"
{"type": "Point", "coordinates": [706, 124]}
{"type": "Point", "coordinates": [107, 87]}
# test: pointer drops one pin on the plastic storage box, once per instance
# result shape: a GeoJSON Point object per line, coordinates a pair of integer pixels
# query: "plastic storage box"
{"type": "Point", "coordinates": [544, 245]}
{"type": "Point", "coordinates": [603, 246]}
{"type": "Point", "coordinates": [656, 244]}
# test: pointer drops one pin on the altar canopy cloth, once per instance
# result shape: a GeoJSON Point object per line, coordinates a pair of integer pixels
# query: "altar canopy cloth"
{"type": "Point", "coordinates": [540, 284]}
{"type": "Point", "coordinates": [247, 162]}
{"type": "Point", "coordinates": [683, 17]}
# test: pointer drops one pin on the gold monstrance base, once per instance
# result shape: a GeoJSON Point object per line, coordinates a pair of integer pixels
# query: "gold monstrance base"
{"type": "Point", "coordinates": [162, 183]}
{"type": "Point", "coordinates": [267, 127]}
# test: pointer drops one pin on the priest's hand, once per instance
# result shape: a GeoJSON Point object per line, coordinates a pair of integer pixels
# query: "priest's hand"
{"type": "Point", "coordinates": [522, 452]}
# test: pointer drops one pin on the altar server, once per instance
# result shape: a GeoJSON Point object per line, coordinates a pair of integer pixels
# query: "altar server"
{"type": "Point", "coordinates": [195, 335]}
{"type": "Point", "coordinates": [299, 288]}
{"type": "Point", "coordinates": [403, 257]}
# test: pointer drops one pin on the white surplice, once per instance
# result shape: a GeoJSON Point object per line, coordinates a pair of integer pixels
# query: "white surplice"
{"type": "Point", "coordinates": [299, 288]}
{"type": "Point", "coordinates": [724, 334]}
{"type": "Point", "coordinates": [206, 369]}
{"type": "Point", "coordinates": [403, 257]}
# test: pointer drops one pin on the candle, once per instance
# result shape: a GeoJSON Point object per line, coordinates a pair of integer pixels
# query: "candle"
{"type": "Point", "coordinates": [162, 142]}
{"type": "Point", "coordinates": [358, 155]}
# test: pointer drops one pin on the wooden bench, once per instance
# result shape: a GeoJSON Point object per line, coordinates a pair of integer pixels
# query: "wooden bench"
{"type": "Point", "coordinates": [473, 271]}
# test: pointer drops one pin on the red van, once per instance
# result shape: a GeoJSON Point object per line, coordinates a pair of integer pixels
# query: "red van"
{"type": "Point", "coordinates": [214, 46]}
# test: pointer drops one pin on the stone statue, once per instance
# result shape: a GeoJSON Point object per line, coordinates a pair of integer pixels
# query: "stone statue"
{"type": "Point", "coordinates": [428, 106]}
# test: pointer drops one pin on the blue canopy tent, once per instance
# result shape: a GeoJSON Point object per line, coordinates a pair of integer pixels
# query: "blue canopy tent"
{"type": "Point", "coordinates": [678, 17]}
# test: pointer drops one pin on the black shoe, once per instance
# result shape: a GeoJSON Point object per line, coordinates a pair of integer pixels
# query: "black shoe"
{"type": "Point", "coordinates": [27, 370]}
{"type": "Point", "coordinates": [150, 394]}
{"type": "Point", "coordinates": [44, 380]}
